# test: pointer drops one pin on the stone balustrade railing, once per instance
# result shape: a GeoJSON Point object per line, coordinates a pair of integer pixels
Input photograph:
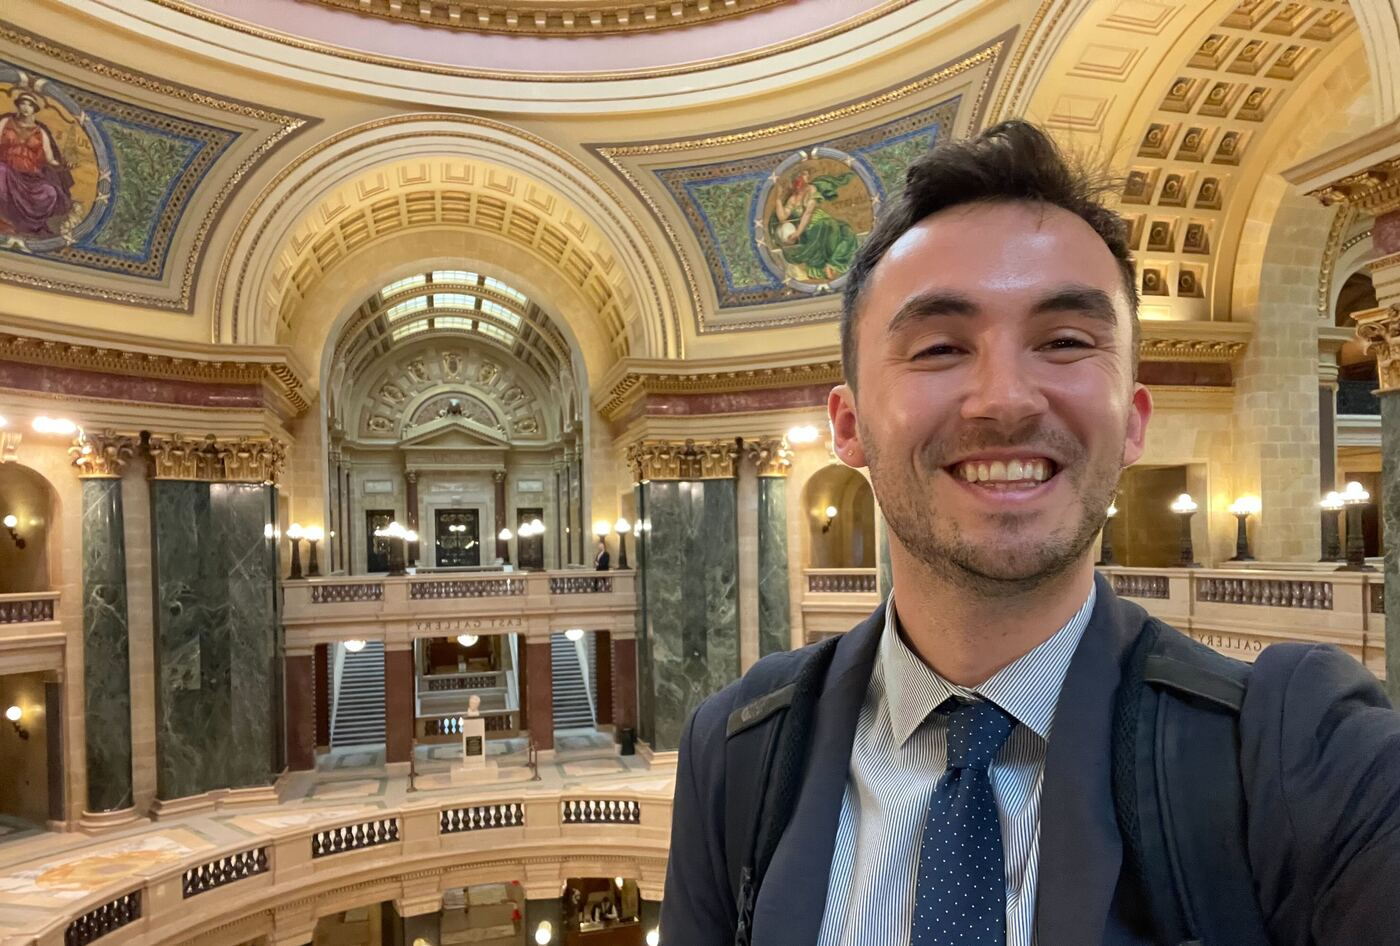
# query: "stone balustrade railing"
{"type": "Point", "coordinates": [1240, 611]}
{"type": "Point", "coordinates": [377, 607]}
{"type": "Point", "coordinates": [34, 607]}
{"type": "Point", "coordinates": [447, 727]}
{"type": "Point", "coordinates": [836, 599]}
{"type": "Point", "coordinates": [841, 581]}
{"type": "Point", "coordinates": [296, 867]}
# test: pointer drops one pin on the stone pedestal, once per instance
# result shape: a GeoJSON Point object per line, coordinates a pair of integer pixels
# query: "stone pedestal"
{"type": "Point", "coordinates": [475, 767]}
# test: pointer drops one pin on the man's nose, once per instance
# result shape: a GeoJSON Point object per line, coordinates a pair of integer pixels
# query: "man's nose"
{"type": "Point", "coordinates": [1003, 389]}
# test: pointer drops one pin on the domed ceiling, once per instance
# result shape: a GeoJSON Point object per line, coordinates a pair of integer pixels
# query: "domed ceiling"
{"type": "Point", "coordinates": [542, 38]}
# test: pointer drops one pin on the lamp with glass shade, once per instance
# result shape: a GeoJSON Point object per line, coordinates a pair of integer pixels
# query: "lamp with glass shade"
{"type": "Point", "coordinates": [622, 527]}
{"type": "Point", "coordinates": [1106, 545]}
{"type": "Point", "coordinates": [294, 535]}
{"type": "Point", "coordinates": [1332, 508]}
{"type": "Point", "coordinates": [1185, 507]}
{"type": "Point", "coordinates": [1242, 509]}
{"type": "Point", "coordinates": [1355, 498]}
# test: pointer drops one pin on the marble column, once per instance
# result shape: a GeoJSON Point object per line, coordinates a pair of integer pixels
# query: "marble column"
{"type": "Point", "coordinates": [398, 704]}
{"type": "Point", "coordinates": [540, 669]}
{"type": "Point", "coordinates": [298, 674]}
{"type": "Point", "coordinates": [411, 513]}
{"type": "Point", "coordinates": [689, 577]}
{"type": "Point", "coordinates": [774, 599]}
{"type": "Point", "coordinates": [746, 504]}
{"type": "Point", "coordinates": [322, 683]}
{"type": "Point", "coordinates": [1327, 454]}
{"type": "Point", "coordinates": [106, 659]}
{"type": "Point", "coordinates": [602, 677]}
{"type": "Point", "coordinates": [585, 530]}
{"type": "Point", "coordinates": [567, 475]}
{"type": "Point", "coordinates": [522, 680]}
{"type": "Point", "coordinates": [502, 546]}
{"type": "Point", "coordinates": [218, 691]}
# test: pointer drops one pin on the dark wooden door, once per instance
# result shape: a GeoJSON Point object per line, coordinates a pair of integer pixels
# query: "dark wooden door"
{"type": "Point", "coordinates": [457, 534]}
{"type": "Point", "coordinates": [376, 549]}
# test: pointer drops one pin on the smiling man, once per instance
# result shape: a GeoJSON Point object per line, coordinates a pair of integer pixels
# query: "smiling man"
{"type": "Point", "coordinates": [1005, 752]}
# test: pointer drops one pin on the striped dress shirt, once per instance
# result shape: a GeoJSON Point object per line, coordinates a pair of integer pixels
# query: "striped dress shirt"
{"type": "Point", "coordinates": [899, 754]}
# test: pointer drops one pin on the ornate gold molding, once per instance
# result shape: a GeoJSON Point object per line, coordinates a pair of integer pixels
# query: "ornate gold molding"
{"type": "Point", "coordinates": [1379, 330]}
{"type": "Point", "coordinates": [534, 75]}
{"type": "Point", "coordinates": [241, 460]}
{"type": "Point", "coordinates": [1376, 190]}
{"type": "Point", "coordinates": [671, 460]}
{"type": "Point", "coordinates": [1189, 349]}
{"type": "Point", "coordinates": [101, 453]}
{"type": "Point", "coordinates": [256, 367]}
{"type": "Point", "coordinates": [632, 386]}
{"type": "Point", "coordinates": [550, 17]}
{"type": "Point", "coordinates": [769, 455]}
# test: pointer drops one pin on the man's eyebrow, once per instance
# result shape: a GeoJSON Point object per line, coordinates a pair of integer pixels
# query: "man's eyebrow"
{"type": "Point", "coordinates": [1095, 303]}
{"type": "Point", "coordinates": [932, 304]}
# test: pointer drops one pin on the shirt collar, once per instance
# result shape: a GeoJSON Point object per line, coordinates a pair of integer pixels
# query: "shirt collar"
{"type": "Point", "coordinates": [1028, 688]}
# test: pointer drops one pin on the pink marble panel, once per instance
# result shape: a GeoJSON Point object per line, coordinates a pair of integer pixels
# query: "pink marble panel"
{"type": "Point", "coordinates": [104, 386]}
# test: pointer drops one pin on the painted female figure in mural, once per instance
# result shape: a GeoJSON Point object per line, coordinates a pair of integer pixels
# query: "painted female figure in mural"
{"type": "Point", "coordinates": [35, 183]}
{"type": "Point", "coordinates": [807, 235]}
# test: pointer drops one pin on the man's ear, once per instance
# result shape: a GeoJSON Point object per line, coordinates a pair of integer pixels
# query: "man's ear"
{"type": "Point", "coordinates": [1140, 412]}
{"type": "Point", "coordinates": [845, 431]}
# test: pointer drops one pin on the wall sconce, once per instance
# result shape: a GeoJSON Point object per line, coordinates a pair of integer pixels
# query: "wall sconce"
{"type": "Point", "coordinates": [1185, 507]}
{"type": "Point", "coordinates": [503, 545]}
{"type": "Point", "coordinates": [11, 522]}
{"type": "Point", "coordinates": [1355, 499]}
{"type": "Point", "coordinates": [799, 436]}
{"type": "Point", "coordinates": [1242, 509]}
{"type": "Point", "coordinates": [314, 534]}
{"type": "Point", "coordinates": [294, 534]}
{"type": "Point", "coordinates": [14, 714]}
{"type": "Point", "coordinates": [622, 527]}
{"type": "Point", "coordinates": [1332, 506]}
{"type": "Point", "coordinates": [1106, 546]}
{"type": "Point", "coordinates": [830, 517]}
{"type": "Point", "coordinates": [354, 646]}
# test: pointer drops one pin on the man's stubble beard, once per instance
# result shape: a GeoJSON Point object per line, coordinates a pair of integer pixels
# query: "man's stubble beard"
{"type": "Point", "coordinates": [996, 569]}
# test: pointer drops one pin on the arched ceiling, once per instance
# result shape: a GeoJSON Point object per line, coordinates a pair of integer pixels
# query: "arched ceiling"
{"type": "Point", "coordinates": [1186, 101]}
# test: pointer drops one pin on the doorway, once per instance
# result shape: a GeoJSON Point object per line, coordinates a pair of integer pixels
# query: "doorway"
{"type": "Point", "coordinates": [457, 536]}
{"type": "Point", "coordinates": [529, 549]}
{"type": "Point", "coordinates": [377, 549]}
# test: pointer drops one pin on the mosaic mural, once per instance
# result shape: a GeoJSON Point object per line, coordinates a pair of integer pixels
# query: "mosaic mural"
{"type": "Point", "coordinates": [785, 225]}
{"type": "Point", "coordinates": [92, 181]}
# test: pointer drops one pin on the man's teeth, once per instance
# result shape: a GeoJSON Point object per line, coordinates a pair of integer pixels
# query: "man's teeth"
{"type": "Point", "coordinates": [1009, 471]}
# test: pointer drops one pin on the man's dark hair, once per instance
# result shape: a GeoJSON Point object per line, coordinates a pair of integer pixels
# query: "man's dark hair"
{"type": "Point", "coordinates": [1012, 161]}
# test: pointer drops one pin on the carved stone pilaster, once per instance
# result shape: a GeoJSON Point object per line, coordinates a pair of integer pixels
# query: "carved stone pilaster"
{"type": "Point", "coordinates": [768, 455]}
{"type": "Point", "coordinates": [1379, 330]}
{"type": "Point", "coordinates": [103, 453]}
{"type": "Point", "coordinates": [241, 460]}
{"type": "Point", "coordinates": [668, 460]}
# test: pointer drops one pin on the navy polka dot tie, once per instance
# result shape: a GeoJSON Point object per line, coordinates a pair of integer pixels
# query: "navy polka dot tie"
{"type": "Point", "coordinates": [960, 896]}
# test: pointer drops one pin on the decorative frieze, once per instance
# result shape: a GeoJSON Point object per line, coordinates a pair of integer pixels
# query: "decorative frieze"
{"type": "Point", "coordinates": [102, 453]}
{"type": "Point", "coordinates": [768, 455]}
{"type": "Point", "coordinates": [1375, 190]}
{"type": "Point", "coordinates": [670, 460]}
{"type": "Point", "coordinates": [241, 460]}
{"type": "Point", "coordinates": [1379, 330]}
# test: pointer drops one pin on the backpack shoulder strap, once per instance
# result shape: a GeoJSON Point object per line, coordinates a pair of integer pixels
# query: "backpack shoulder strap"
{"type": "Point", "coordinates": [765, 751]}
{"type": "Point", "coordinates": [1178, 790]}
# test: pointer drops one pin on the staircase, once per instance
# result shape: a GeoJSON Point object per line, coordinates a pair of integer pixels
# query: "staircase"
{"type": "Point", "coordinates": [359, 712]}
{"type": "Point", "coordinates": [573, 704]}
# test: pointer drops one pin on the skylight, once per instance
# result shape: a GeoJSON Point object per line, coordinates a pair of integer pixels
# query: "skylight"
{"type": "Point", "coordinates": [486, 328]}
{"type": "Point", "coordinates": [452, 321]}
{"type": "Point", "coordinates": [403, 308]}
{"type": "Point", "coordinates": [406, 330]}
{"type": "Point", "coordinates": [453, 300]}
{"type": "Point", "coordinates": [500, 312]}
{"type": "Point", "coordinates": [496, 284]}
{"type": "Point", "coordinates": [404, 283]}
{"type": "Point", "coordinates": [454, 275]}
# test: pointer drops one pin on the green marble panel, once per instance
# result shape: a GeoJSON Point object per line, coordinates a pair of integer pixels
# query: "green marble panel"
{"type": "Point", "coordinates": [645, 705]}
{"type": "Point", "coordinates": [692, 607]}
{"type": "Point", "coordinates": [106, 659]}
{"type": "Point", "coordinates": [774, 617]}
{"type": "Point", "coordinates": [216, 696]}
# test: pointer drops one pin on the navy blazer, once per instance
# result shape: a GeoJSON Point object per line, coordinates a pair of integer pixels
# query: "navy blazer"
{"type": "Point", "coordinates": [1319, 755]}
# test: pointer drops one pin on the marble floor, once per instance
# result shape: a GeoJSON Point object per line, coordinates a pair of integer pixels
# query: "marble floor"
{"type": "Point", "coordinates": [43, 870]}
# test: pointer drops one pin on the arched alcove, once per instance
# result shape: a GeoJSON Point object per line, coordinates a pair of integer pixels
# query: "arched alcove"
{"type": "Point", "coordinates": [847, 539]}
{"type": "Point", "coordinates": [25, 556]}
